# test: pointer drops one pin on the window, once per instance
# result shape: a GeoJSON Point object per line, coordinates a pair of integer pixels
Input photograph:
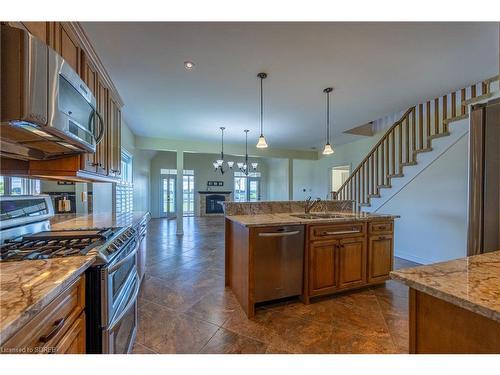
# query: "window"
{"type": "Point", "coordinates": [168, 185]}
{"type": "Point", "coordinates": [19, 186]}
{"type": "Point", "coordinates": [188, 192]}
{"type": "Point", "coordinates": [339, 175]}
{"type": "Point", "coordinates": [247, 188]}
{"type": "Point", "coordinates": [124, 190]}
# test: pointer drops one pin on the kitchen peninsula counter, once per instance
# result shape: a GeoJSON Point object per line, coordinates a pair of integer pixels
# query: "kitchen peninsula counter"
{"type": "Point", "coordinates": [74, 221]}
{"type": "Point", "coordinates": [455, 305]}
{"type": "Point", "coordinates": [28, 286]}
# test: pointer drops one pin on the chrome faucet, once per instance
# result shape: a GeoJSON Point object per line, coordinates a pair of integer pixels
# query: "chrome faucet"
{"type": "Point", "coordinates": [310, 204]}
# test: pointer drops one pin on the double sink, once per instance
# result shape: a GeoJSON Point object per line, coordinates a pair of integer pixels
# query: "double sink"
{"type": "Point", "coordinates": [320, 216]}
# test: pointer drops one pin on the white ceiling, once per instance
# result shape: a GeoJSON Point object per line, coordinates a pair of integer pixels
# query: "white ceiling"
{"type": "Point", "coordinates": [375, 68]}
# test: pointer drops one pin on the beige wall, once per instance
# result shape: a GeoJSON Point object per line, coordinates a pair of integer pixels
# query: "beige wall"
{"type": "Point", "coordinates": [203, 172]}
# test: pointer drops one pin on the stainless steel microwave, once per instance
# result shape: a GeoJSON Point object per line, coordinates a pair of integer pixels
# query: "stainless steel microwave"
{"type": "Point", "coordinates": [47, 111]}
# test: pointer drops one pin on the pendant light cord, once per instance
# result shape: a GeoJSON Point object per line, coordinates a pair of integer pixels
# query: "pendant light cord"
{"type": "Point", "coordinates": [328, 117]}
{"type": "Point", "coordinates": [261, 107]}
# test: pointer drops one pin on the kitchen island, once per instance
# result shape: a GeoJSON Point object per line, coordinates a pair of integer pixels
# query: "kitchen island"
{"type": "Point", "coordinates": [275, 250]}
{"type": "Point", "coordinates": [455, 305]}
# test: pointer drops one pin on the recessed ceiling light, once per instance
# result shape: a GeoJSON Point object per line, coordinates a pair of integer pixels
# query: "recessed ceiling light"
{"type": "Point", "coordinates": [189, 65]}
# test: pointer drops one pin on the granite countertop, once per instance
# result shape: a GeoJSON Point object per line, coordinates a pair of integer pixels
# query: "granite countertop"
{"type": "Point", "coordinates": [271, 219]}
{"type": "Point", "coordinates": [472, 283]}
{"type": "Point", "coordinates": [74, 221]}
{"type": "Point", "coordinates": [26, 287]}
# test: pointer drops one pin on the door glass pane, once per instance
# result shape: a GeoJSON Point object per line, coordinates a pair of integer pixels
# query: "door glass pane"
{"type": "Point", "coordinates": [171, 195]}
{"type": "Point", "coordinates": [165, 195]}
{"type": "Point", "coordinates": [2, 186]}
{"type": "Point", "coordinates": [188, 194]}
{"type": "Point", "coordinates": [240, 189]}
{"type": "Point", "coordinates": [254, 190]}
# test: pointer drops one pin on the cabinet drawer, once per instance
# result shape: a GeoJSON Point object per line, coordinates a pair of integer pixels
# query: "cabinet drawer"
{"type": "Point", "coordinates": [49, 326]}
{"type": "Point", "coordinates": [381, 227]}
{"type": "Point", "coordinates": [323, 232]}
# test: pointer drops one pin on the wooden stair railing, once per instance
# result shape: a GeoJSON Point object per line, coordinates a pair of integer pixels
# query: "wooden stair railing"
{"type": "Point", "coordinates": [411, 134]}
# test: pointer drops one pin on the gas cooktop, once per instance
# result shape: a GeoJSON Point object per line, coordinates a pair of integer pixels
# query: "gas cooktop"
{"type": "Point", "coordinates": [54, 244]}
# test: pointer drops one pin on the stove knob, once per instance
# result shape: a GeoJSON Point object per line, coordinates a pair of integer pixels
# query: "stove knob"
{"type": "Point", "coordinates": [112, 248]}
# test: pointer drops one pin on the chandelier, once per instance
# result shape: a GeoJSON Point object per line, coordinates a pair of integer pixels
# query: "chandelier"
{"type": "Point", "coordinates": [219, 163]}
{"type": "Point", "coordinates": [244, 166]}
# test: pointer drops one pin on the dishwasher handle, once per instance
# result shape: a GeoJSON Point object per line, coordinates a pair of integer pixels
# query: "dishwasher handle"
{"type": "Point", "coordinates": [279, 234]}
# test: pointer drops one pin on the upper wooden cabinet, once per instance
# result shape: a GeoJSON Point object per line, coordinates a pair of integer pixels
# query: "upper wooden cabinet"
{"type": "Point", "coordinates": [114, 138]}
{"type": "Point", "coordinates": [39, 30]}
{"type": "Point", "coordinates": [67, 46]}
{"type": "Point", "coordinates": [70, 41]}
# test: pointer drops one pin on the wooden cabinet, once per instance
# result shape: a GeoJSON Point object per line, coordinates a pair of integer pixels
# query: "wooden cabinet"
{"type": "Point", "coordinates": [380, 257]}
{"type": "Point", "coordinates": [101, 154]}
{"type": "Point", "coordinates": [70, 41]}
{"type": "Point", "coordinates": [323, 278]}
{"type": "Point", "coordinates": [347, 256]}
{"type": "Point", "coordinates": [58, 328]}
{"type": "Point", "coordinates": [352, 262]}
{"type": "Point", "coordinates": [39, 30]}
{"type": "Point", "coordinates": [89, 76]}
{"type": "Point", "coordinates": [73, 342]}
{"type": "Point", "coordinates": [67, 47]}
{"type": "Point", "coordinates": [114, 138]}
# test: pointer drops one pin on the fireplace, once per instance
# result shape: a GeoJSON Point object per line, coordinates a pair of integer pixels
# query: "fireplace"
{"type": "Point", "coordinates": [210, 202]}
{"type": "Point", "coordinates": [213, 203]}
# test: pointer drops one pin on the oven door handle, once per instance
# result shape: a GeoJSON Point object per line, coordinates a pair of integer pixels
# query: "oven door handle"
{"type": "Point", "coordinates": [115, 266]}
{"type": "Point", "coordinates": [132, 301]}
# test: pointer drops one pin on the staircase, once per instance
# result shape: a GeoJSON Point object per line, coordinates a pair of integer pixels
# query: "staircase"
{"type": "Point", "coordinates": [411, 135]}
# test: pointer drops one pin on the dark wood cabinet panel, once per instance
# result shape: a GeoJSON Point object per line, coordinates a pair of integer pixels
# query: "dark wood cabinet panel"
{"type": "Point", "coordinates": [101, 155]}
{"type": "Point", "coordinates": [67, 47]}
{"type": "Point", "coordinates": [323, 267]}
{"type": "Point", "coordinates": [73, 341]}
{"type": "Point", "coordinates": [380, 257]}
{"type": "Point", "coordinates": [352, 262]}
{"type": "Point", "coordinates": [38, 29]}
{"type": "Point", "coordinates": [89, 76]}
{"type": "Point", "coordinates": [114, 138]}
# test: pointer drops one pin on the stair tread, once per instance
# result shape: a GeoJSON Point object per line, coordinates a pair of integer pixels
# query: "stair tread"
{"type": "Point", "coordinates": [409, 163]}
{"type": "Point", "coordinates": [439, 135]}
{"type": "Point", "coordinates": [395, 175]}
{"type": "Point", "coordinates": [427, 149]}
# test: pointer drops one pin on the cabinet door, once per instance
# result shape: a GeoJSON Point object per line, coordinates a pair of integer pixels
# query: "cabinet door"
{"type": "Point", "coordinates": [89, 76]}
{"type": "Point", "coordinates": [67, 47]}
{"type": "Point", "coordinates": [323, 276]}
{"type": "Point", "coordinates": [73, 341]}
{"type": "Point", "coordinates": [380, 257]}
{"type": "Point", "coordinates": [101, 157]}
{"type": "Point", "coordinates": [352, 262]}
{"type": "Point", "coordinates": [38, 29]}
{"type": "Point", "coordinates": [114, 138]}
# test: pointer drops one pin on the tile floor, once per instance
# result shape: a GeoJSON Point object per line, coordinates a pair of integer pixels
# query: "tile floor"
{"type": "Point", "coordinates": [185, 308]}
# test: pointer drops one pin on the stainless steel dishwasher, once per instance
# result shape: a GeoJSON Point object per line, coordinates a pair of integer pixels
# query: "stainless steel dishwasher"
{"type": "Point", "coordinates": [278, 262]}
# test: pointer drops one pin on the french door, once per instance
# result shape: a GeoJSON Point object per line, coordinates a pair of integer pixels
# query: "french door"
{"type": "Point", "coordinates": [168, 186]}
{"type": "Point", "coordinates": [246, 189]}
{"type": "Point", "coordinates": [253, 189]}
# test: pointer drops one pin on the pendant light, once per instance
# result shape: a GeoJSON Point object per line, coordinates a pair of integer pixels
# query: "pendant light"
{"type": "Point", "coordinates": [328, 150]}
{"type": "Point", "coordinates": [243, 166]}
{"type": "Point", "coordinates": [219, 163]}
{"type": "Point", "coordinates": [262, 140]}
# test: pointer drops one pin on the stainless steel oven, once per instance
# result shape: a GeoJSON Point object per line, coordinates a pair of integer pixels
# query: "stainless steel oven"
{"type": "Point", "coordinates": [49, 109]}
{"type": "Point", "coordinates": [112, 290]}
{"type": "Point", "coordinates": [119, 336]}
